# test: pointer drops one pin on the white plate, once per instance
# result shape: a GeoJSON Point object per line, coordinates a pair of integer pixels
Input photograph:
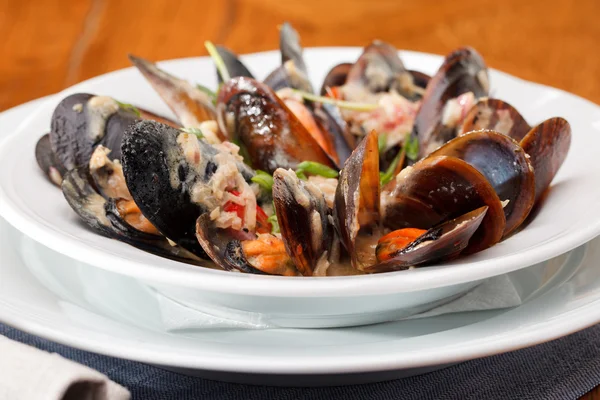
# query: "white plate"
{"type": "Point", "coordinates": [50, 295]}
{"type": "Point", "coordinates": [568, 218]}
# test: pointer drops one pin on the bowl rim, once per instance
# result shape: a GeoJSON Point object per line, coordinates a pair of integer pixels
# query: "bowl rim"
{"type": "Point", "coordinates": [180, 274]}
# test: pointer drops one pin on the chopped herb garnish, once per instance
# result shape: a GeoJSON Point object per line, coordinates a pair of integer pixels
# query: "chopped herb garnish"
{"type": "Point", "coordinates": [219, 63]}
{"type": "Point", "coordinates": [301, 175]}
{"type": "Point", "coordinates": [193, 131]}
{"type": "Point", "coordinates": [388, 175]}
{"type": "Point", "coordinates": [382, 142]}
{"type": "Point", "coordinates": [412, 147]}
{"type": "Point", "coordinates": [349, 105]}
{"type": "Point", "coordinates": [264, 180]}
{"type": "Point", "coordinates": [212, 95]}
{"type": "Point", "coordinates": [315, 168]}
{"type": "Point", "coordinates": [129, 107]}
{"type": "Point", "coordinates": [274, 223]}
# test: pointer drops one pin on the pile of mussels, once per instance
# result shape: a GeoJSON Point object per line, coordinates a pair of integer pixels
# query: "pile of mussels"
{"type": "Point", "coordinates": [385, 169]}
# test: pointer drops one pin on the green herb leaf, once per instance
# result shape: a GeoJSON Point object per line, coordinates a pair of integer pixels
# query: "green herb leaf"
{"type": "Point", "coordinates": [264, 180]}
{"type": "Point", "coordinates": [382, 142]}
{"type": "Point", "coordinates": [388, 175]}
{"type": "Point", "coordinates": [412, 147]}
{"type": "Point", "coordinates": [274, 223]}
{"type": "Point", "coordinates": [315, 168]}
{"type": "Point", "coordinates": [301, 175]}
{"type": "Point", "coordinates": [210, 93]}
{"type": "Point", "coordinates": [220, 64]}
{"type": "Point", "coordinates": [340, 103]}
{"type": "Point", "coordinates": [193, 131]}
{"type": "Point", "coordinates": [128, 107]}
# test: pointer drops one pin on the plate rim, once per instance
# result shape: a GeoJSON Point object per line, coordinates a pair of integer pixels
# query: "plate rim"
{"type": "Point", "coordinates": [201, 278]}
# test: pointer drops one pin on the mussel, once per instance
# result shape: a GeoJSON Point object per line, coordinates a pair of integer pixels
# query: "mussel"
{"type": "Point", "coordinates": [504, 164]}
{"type": "Point", "coordinates": [174, 178]}
{"type": "Point", "coordinates": [233, 64]}
{"type": "Point", "coordinates": [462, 78]}
{"type": "Point", "coordinates": [496, 115]}
{"type": "Point", "coordinates": [251, 113]}
{"type": "Point", "coordinates": [191, 105]}
{"type": "Point", "coordinates": [400, 250]}
{"type": "Point", "coordinates": [48, 161]}
{"type": "Point", "coordinates": [303, 218]}
{"type": "Point", "coordinates": [379, 69]}
{"type": "Point", "coordinates": [547, 145]}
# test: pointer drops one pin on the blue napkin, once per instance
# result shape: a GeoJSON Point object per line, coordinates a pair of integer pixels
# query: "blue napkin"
{"type": "Point", "coordinates": [566, 368]}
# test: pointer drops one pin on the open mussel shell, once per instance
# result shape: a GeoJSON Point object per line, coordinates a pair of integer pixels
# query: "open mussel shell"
{"type": "Point", "coordinates": [273, 137]}
{"type": "Point", "coordinates": [190, 104]}
{"type": "Point", "coordinates": [547, 145]}
{"type": "Point", "coordinates": [289, 44]}
{"type": "Point", "coordinates": [356, 206]}
{"type": "Point", "coordinates": [222, 246]}
{"type": "Point", "coordinates": [379, 69]}
{"type": "Point", "coordinates": [496, 115]}
{"type": "Point", "coordinates": [504, 164]}
{"type": "Point", "coordinates": [288, 75]}
{"type": "Point", "coordinates": [421, 79]}
{"type": "Point", "coordinates": [303, 219]}
{"type": "Point", "coordinates": [450, 187]}
{"type": "Point", "coordinates": [232, 63]}
{"type": "Point", "coordinates": [81, 121]}
{"type": "Point", "coordinates": [335, 77]}
{"type": "Point", "coordinates": [462, 71]}
{"type": "Point", "coordinates": [162, 167]}
{"type": "Point", "coordinates": [48, 162]}
{"type": "Point", "coordinates": [442, 242]}
{"type": "Point", "coordinates": [242, 251]}
{"type": "Point", "coordinates": [103, 217]}
{"type": "Point", "coordinates": [329, 117]}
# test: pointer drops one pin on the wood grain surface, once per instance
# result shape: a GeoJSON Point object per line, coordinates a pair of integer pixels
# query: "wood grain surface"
{"type": "Point", "coordinates": [48, 45]}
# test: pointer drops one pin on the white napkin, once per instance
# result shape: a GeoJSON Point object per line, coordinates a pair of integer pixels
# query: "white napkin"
{"type": "Point", "coordinates": [27, 373]}
{"type": "Point", "coordinates": [494, 293]}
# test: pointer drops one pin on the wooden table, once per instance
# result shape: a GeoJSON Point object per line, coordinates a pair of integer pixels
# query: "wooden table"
{"type": "Point", "coordinates": [48, 45]}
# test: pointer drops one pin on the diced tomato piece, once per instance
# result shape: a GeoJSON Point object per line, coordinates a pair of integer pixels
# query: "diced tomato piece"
{"type": "Point", "coordinates": [262, 223]}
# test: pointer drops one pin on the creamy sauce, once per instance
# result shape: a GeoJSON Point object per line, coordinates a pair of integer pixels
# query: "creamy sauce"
{"type": "Point", "coordinates": [99, 110]}
{"type": "Point", "coordinates": [327, 186]}
{"type": "Point", "coordinates": [505, 122]}
{"type": "Point", "coordinates": [108, 174]}
{"type": "Point", "coordinates": [456, 109]}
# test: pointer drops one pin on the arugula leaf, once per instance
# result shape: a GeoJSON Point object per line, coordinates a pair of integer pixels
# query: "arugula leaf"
{"type": "Point", "coordinates": [382, 142]}
{"type": "Point", "coordinates": [274, 223]}
{"type": "Point", "coordinates": [193, 131]}
{"type": "Point", "coordinates": [315, 168]}
{"type": "Point", "coordinates": [412, 147]}
{"type": "Point", "coordinates": [388, 175]}
{"type": "Point", "coordinates": [128, 107]}
{"type": "Point", "coordinates": [264, 180]}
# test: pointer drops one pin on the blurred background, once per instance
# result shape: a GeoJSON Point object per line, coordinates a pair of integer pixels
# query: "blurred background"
{"type": "Point", "coordinates": [48, 45]}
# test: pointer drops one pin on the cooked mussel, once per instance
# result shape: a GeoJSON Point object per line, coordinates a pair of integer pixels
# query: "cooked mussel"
{"type": "Point", "coordinates": [303, 219]}
{"type": "Point", "coordinates": [232, 63]}
{"type": "Point", "coordinates": [48, 161]}
{"type": "Point", "coordinates": [547, 145]}
{"type": "Point", "coordinates": [504, 164]}
{"type": "Point", "coordinates": [81, 121]}
{"type": "Point", "coordinates": [191, 105]}
{"type": "Point", "coordinates": [379, 69]}
{"type": "Point", "coordinates": [273, 137]}
{"type": "Point", "coordinates": [410, 247]}
{"type": "Point", "coordinates": [174, 178]}
{"type": "Point", "coordinates": [242, 251]}
{"type": "Point", "coordinates": [440, 188]}
{"type": "Point", "coordinates": [462, 78]}
{"type": "Point", "coordinates": [292, 72]}
{"type": "Point", "coordinates": [496, 115]}
{"type": "Point", "coordinates": [356, 208]}
{"type": "Point", "coordinates": [104, 217]}
{"type": "Point", "coordinates": [335, 77]}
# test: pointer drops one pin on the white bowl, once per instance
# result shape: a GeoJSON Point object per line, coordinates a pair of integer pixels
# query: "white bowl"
{"type": "Point", "coordinates": [569, 216]}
